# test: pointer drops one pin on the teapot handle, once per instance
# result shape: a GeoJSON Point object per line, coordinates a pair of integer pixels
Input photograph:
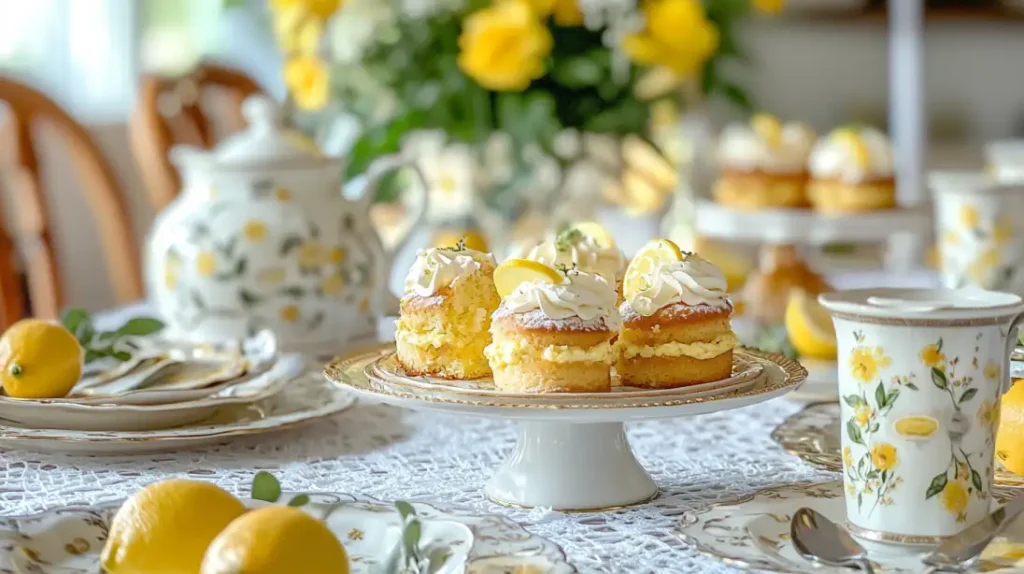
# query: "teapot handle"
{"type": "Point", "coordinates": [1012, 349]}
{"type": "Point", "coordinates": [383, 166]}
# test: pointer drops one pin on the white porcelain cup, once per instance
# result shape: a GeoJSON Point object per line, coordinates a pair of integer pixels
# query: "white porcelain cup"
{"type": "Point", "coordinates": [980, 230]}
{"type": "Point", "coordinates": [921, 373]}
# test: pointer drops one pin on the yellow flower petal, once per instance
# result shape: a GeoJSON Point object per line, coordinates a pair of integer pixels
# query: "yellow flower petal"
{"type": "Point", "coordinates": [308, 81]}
{"type": "Point", "coordinates": [503, 46]}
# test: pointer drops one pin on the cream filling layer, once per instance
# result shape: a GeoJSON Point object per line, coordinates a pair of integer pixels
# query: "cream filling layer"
{"type": "Point", "coordinates": [700, 351]}
{"type": "Point", "coordinates": [512, 352]}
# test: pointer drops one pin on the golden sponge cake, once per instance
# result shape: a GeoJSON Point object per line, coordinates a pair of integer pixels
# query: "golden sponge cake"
{"type": "Point", "coordinates": [445, 314]}
{"type": "Point", "coordinates": [675, 320]}
{"type": "Point", "coordinates": [852, 170]}
{"type": "Point", "coordinates": [554, 331]}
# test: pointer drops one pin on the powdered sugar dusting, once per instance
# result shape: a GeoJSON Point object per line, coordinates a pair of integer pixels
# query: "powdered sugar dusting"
{"type": "Point", "coordinates": [536, 320]}
{"type": "Point", "coordinates": [674, 311]}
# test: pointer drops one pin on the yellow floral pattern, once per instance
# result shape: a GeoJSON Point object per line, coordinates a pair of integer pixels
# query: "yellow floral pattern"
{"type": "Point", "coordinates": [866, 362]}
{"type": "Point", "coordinates": [959, 479]}
{"type": "Point", "coordinates": [871, 474]}
{"type": "Point", "coordinates": [255, 231]}
{"type": "Point", "coordinates": [206, 263]}
{"type": "Point", "coordinates": [983, 241]}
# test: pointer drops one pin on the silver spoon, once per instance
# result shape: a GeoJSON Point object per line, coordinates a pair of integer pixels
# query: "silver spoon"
{"type": "Point", "coordinates": [820, 540]}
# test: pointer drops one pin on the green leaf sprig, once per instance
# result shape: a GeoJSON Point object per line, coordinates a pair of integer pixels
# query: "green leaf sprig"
{"type": "Point", "coordinates": [408, 557]}
{"type": "Point", "coordinates": [115, 344]}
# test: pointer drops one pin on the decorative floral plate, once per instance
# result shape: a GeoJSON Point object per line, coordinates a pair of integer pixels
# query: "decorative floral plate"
{"type": "Point", "coordinates": [752, 533]}
{"type": "Point", "coordinates": [69, 540]}
{"type": "Point", "coordinates": [302, 400]}
{"type": "Point", "coordinates": [813, 435]}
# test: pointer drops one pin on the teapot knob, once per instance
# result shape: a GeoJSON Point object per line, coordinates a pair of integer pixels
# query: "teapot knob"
{"type": "Point", "coordinates": [261, 111]}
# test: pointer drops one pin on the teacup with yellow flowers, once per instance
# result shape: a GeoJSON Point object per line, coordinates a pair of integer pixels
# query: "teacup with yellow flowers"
{"type": "Point", "coordinates": [980, 232]}
{"type": "Point", "coordinates": [921, 373]}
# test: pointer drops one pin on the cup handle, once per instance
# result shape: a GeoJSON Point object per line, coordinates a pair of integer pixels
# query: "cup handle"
{"type": "Point", "coordinates": [383, 166]}
{"type": "Point", "coordinates": [1012, 348]}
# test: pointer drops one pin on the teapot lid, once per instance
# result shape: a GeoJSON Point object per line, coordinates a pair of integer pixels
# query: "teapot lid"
{"type": "Point", "coordinates": [268, 141]}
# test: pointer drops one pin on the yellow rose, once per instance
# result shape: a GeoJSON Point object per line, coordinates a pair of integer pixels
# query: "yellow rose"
{"type": "Point", "coordinates": [321, 9]}
{"type": "Point", "coordinates": [308, 82]}
{"type": "Point", "coordinates": [931, 356]}
{"type": "Point", "coordinates": [866, 362]}
{"type": "Point", "coordinates": [296, 33]}
{"type": "Point", "coordinates": [883, 456]}
{"type": "Point", "coordinates": [677, 35]}
{"type": "Point", "coordinates": [969, 216]}
{"type": "Point", "coordinates": [567, 13]}
{"type": "Point", "coordinates": [769, 6]}
{"type": "Point", "coordinates": [503, 46]}
{"type": "Point", "coordinates": [954, 498]}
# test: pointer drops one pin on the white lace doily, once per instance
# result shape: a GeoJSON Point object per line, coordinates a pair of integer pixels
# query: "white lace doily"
{"type": "Point", "coordinates": [388, 453]}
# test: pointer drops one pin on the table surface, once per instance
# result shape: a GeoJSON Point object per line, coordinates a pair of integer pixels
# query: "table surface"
{"type": "Point", "coordinates": [390, 453]}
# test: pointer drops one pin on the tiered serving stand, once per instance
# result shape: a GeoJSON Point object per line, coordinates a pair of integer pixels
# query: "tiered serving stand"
{"type": "Point", "coordinates": [572, 452]}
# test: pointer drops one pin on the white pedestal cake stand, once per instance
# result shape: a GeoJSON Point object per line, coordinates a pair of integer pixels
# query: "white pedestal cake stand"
{"type": "Point", "coordinates": [572, 452]}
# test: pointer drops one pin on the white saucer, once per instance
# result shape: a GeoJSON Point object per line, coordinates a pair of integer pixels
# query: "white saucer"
{"type": "Point", "coordinates": [752, 533]}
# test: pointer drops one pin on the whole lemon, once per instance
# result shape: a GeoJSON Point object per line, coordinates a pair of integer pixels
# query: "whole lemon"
{"type": "Point", "coordinates": [1010, 440]}
{"type": "Point", "coordinates": [39, 360]}
{"type": "Point", "coordinates": [276, 540]}
{"type": "Point", "coordinates": [166, 527]}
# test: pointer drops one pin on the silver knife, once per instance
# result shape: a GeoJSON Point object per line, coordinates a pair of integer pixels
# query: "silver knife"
{"type": "Point", "coordinates": [963, 550]}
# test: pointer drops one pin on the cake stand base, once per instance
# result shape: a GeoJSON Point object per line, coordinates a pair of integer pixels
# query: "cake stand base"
{"type": "Point", "coordinates": [567, 466]}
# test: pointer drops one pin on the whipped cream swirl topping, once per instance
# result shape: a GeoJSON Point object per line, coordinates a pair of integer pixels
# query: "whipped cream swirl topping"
{"type": "Point", "coordinates": [439, 267]}
{"type": "Point", "coordinates": [853, 155]}
{"type": "Point", "coordinates": [741, 148]}
{"type": "Point", "coordinates": [692, 281]}
{"type": "Point", "coordinates": [585, 253]}
{"type": "Point", "coordinates": [580, 294]}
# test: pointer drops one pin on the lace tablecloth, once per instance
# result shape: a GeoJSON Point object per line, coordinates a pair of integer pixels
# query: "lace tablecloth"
{"type": "Point", "coordinates": [390, 453]}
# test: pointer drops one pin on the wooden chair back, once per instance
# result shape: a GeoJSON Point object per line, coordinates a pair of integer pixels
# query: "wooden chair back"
{"type": "Point", "coordinates": [170, 112]}
{"type": "Point", "coordinates": [38, 291]}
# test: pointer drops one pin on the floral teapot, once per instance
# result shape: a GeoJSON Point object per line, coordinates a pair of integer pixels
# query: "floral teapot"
{"type": "Point", "coordinates": [262, 237]}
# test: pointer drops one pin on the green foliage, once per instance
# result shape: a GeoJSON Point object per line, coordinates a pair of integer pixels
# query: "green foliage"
{"type": "Point", "coordinates": [114, 344]}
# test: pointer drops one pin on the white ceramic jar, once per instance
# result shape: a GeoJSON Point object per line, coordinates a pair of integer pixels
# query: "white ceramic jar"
{"type": "Point", "coordinates": [262, 236]}
{"type": "Point", "coordinates": [921, 374]}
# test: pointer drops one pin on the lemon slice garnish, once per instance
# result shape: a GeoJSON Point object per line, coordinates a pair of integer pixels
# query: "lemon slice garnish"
{"type": "Point", "coordinates": [917, 426]}
{"type": "Point", "coordinates": [810, 327]}
{"type": "Point", "coordinates": [596, 232]}
{"type": "Point", "coordinates": [656, 252]}
{"type": "Point", "coordinates": [515, 272]}
{"type": "Point", "coordinates": [852, 139]}
{"type": "Point", "coordinates": [768, 128]}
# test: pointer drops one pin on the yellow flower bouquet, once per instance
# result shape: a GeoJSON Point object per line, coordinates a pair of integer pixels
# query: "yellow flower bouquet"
{"type": "Point", "coordinates": [529, 71]}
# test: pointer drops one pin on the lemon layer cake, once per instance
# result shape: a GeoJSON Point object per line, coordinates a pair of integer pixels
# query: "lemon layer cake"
{"type": "Point", "coordinates": [445, 314]}
{"type": "Point", "coordinates": [852, 170]}
{"type": "Point", "coordinates": [763, 164]}
{"type": "Point", "coordinates": [675, 320]}
{"type": "Point", "coordinates": [554, 331]}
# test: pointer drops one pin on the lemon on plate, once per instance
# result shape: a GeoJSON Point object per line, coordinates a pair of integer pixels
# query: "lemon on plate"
{"type": "Point", "coordinates": [513, 272]}
{"type": "Point", "coordinates": [276, 540]}
{"type": "Point", "coordinates": [650, 256]}
{"type": "Point", "coordinates": [809, 326]}
{"type": "Point", "coordinates": [167, 527]}
{"type": "Point", "coordinates": [39, 360]}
